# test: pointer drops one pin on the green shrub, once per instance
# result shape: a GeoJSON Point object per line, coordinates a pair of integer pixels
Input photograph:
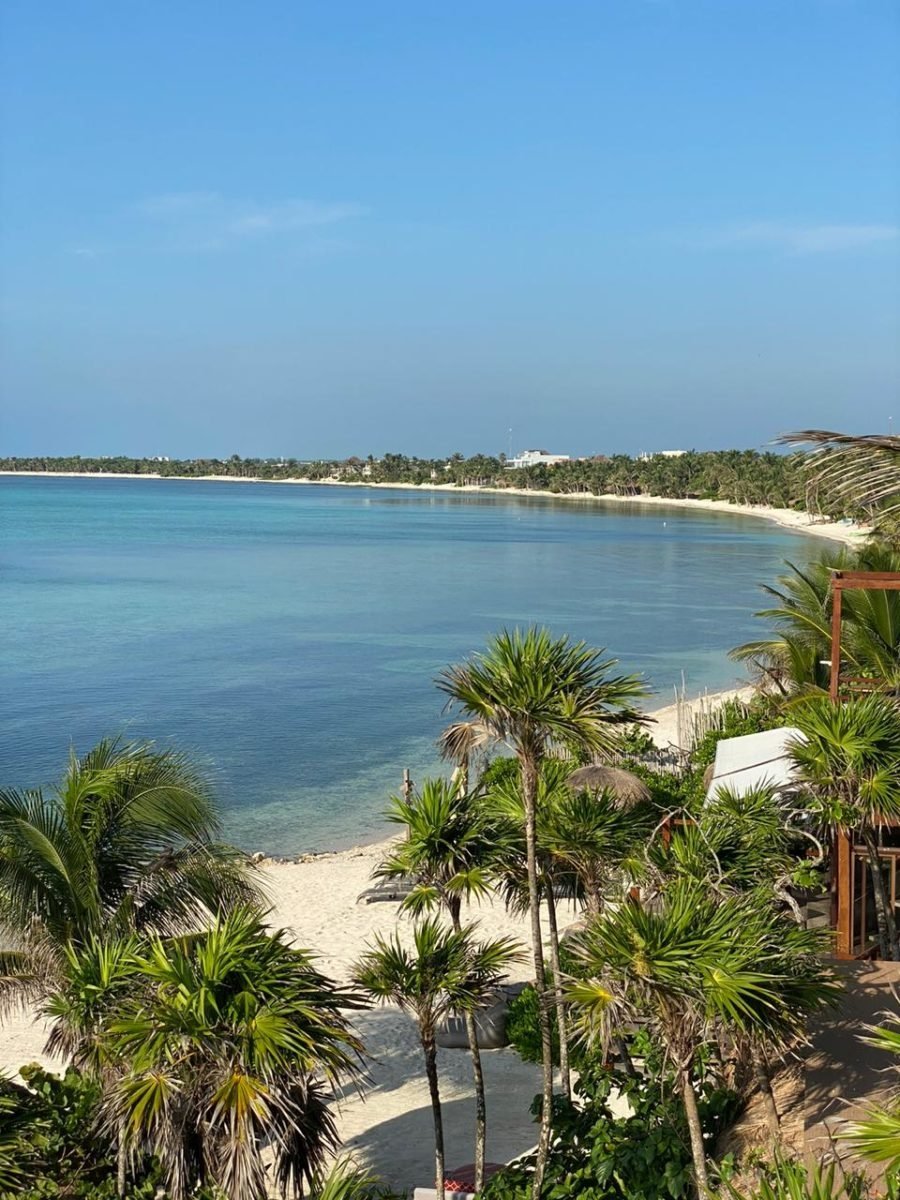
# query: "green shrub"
{"type": "Point", "coordinates": [598, 1156]}
{"type": "Point", "coordinates": [52, 1144]}
{"type": "Point", "coordinates": [523, 1028]}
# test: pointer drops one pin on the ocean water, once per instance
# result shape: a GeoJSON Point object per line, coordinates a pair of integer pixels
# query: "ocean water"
{"type": "Point", "coordinates": [289, 636]}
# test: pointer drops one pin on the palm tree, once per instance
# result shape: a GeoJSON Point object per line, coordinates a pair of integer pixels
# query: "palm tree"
{"type": "Point", "coordinates": [126, 842]}
{"type": "Point", "coordinates": [530, 692]}
{"type": "Point", "coordinates": [740, 841]}
{"type": "Point", "coordinates": [592, 835]}
{"type": "Point", "coordinates": [796, 654]}
{"type": "Point", "coordinates": [696, 968]}
{"type": "Point", "coordinates": [447, 850]}
{"type": "Point", "coordinates": [860, 470]}
{"type": "Point", "coordinates": [447, 970]}
{"type": "Point", "coordinates": [214, 1046]}
{"type": "Point", "coordinates": [502, 797]}
{"type": "Point", "coordinates": [849, 759]}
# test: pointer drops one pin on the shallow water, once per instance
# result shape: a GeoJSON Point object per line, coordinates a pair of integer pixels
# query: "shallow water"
{"type": "Point", "coordinates": [290, 635]}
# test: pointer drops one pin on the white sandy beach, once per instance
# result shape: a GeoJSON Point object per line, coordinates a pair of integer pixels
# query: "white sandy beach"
{"type": "Point", "coordinates": [390, 1127]}
{"type": "Point", "coordinates": [789, 518]}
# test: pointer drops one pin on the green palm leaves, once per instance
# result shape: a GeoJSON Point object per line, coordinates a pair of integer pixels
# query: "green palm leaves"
{"type": "Point", "coordinates": [849, 756]}
{"type": "Point", "coordinates": [127, 841]}
{"type": "Point", "coordinates": [532, 692]}
{"type": "Point", "coordinates": [213, 1047]}
{"type": "Point", "coordinates": [796, 654]}
{"type": "Point", "coordinates": [443, 972]}
{"type": "Point", "coordinates": [447, 848]}
{"type": "Point", "coordinates": [529, 690]}
{"type": "Point", "coordinates": [877, 1138]}
{"type": "Point", "coordinates": [849, 760]}
{"type": "Point", "coordinates": [861, 470]}
{"type": "Point", "coordinates": [697, 969]}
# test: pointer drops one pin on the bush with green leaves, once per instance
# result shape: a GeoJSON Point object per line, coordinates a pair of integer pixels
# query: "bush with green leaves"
{"type": "Point", "coordinates": [597, 1155]}
{"type": "Point", "coordinates": [51, 1143]}
{"type": "Point", "coordinates": [789, 1179]}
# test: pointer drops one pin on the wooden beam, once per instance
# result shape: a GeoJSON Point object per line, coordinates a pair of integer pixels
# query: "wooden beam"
{"type": "Point", "coordinates": [886, 581]}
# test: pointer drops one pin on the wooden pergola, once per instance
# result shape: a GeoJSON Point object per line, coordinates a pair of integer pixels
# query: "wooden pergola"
{"type": "Point", "coordinates": [845, 899]}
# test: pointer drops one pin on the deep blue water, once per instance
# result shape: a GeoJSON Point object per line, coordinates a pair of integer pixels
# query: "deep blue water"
{"type": "Point", "coordinates": [290, 635]}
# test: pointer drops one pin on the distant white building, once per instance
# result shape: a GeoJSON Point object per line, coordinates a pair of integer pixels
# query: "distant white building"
{"type": "Point", "coordinates": [533, 458]}
{"type": "Point", "coordinates": [645, 457]}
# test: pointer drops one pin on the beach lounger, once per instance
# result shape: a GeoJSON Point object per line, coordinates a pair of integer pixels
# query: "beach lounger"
{"type": "Point", "coordinates": [459, 1182]}
{"type": "Point", "coordinates": [490, 1025]}
{"type": "Point", "coordinates": [387, 889]}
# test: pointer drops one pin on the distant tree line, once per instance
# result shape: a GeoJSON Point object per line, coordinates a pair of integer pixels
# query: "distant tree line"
{"type": "Point", "coordinates": [736, 476]}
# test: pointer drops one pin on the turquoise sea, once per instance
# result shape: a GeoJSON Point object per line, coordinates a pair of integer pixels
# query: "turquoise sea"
{"type": "Point", "coordinates": [290, 635]}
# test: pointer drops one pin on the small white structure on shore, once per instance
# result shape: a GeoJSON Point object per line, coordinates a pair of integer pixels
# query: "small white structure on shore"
{"type": "Point", "coordinates": [743, 764]}
{"type": "Point", "coordinates": [533, 458]}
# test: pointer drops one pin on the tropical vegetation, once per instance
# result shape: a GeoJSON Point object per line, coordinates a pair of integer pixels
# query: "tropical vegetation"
{"type": "Point", "coordinates": [734, 476]}
{"type": "Point", "coordinates": [532, 693]}
{"type": "Point", "coordinates": [445, 971]}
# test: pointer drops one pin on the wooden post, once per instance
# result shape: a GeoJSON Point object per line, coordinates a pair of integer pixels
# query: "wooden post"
{"type": "Point", "coordinates": [837, 594]}
{"type": "Point", "coordinates": [407, 785]}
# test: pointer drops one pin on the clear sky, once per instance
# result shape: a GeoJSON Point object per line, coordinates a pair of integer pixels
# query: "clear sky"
{"type": "Point", "coordinates": [329, 228]}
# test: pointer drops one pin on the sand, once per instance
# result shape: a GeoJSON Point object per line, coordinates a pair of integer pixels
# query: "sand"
{"type": "Point", "coordinates": [389, 1127]}
{"type": "Point", "coordinates": [797, 522]}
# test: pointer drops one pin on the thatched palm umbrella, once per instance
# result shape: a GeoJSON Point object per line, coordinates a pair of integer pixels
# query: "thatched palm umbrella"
{"type": "Point", "coordinates": [627, 788]}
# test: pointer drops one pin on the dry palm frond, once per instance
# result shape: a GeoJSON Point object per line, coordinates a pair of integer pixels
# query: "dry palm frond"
{"type": "Point", "coordinates": [462, 739]}
{"type": "Point", "coordinates": [860, 469]}
{"type": "Point", "coordinates": [627, 788]}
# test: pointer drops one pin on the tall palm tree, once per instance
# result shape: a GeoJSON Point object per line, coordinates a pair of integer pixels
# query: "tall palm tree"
{"type": "Point", "coordinates": [696, 968]}
{"type": "Point", "coordinates": [127, 841]}
{"type": "Point", "coordinates": [502, 797]}
{"type": "Point", "coordinates": [446, 970]}
{"type": "Point", "coordinates": [448, 849]}
{"type": "Point", "coordinates": [215, 1046]}
{"type": "Point", "coordinates": [849, 759]}
{"type": "Point", "coordinates": [530, 692]}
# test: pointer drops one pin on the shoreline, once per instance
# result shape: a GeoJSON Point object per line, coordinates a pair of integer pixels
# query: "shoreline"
{"type": "Point", "coordinates": [664, 731]}
{"type": "Point", "coordinates": [793, 520]}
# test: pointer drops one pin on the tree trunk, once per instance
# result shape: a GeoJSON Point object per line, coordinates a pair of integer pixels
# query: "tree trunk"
{"type": "Point", "coordinates": [477, 1076]}
{"type": "Point", "coordinates": [593, 898]}
{"type": "Point", "coordinates": [529, 769]}
{"type": "Point", "coordinates": [764, 1083]}
{"type": "Point", "coordinates": [887, 929]}
{"type": "Point", "coordinates": [698, 1150]}
{"type": "Point", "coordinates": [430, 1049]}
{"type": "Point", "coordinates": [561, 1023]}
{"type": "Point", "coordinates": [621, 1048]}
{"type": "Point", "coordinates": [121, 1163]}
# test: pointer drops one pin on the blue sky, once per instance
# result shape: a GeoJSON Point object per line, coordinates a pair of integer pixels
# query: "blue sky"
{"type": "Point", "coordinates": [327, 228]}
